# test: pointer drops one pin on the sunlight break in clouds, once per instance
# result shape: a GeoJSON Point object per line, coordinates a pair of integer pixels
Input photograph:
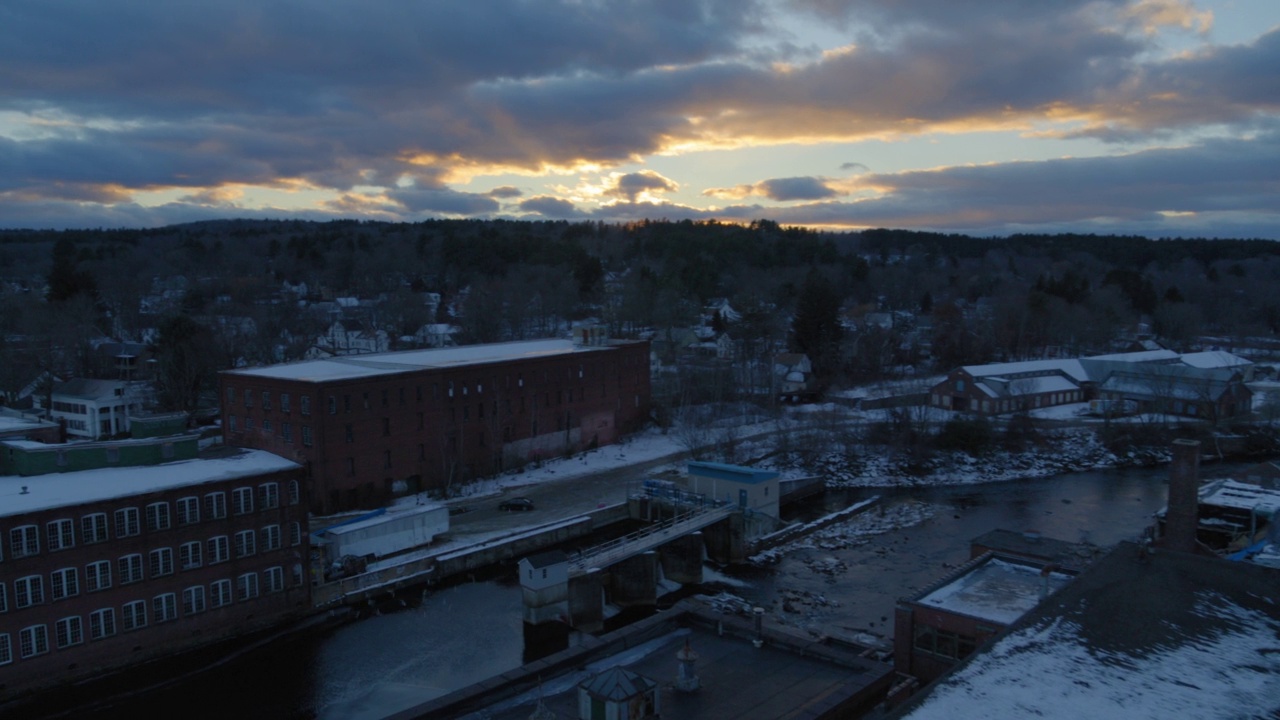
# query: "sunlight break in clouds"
{"type": "Point", "coordinates": [150, 114]}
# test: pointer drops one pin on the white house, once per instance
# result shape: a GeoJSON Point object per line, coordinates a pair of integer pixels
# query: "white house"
{"type": "Point", "coordinates": [94, 409]}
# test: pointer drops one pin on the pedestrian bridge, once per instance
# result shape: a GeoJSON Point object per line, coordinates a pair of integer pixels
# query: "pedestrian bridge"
{"type": "Point", "coordinates": [648, 538]}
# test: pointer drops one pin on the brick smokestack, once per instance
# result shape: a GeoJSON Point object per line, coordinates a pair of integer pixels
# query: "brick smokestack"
{"type": "Point", "coordinates": [1182, 516]}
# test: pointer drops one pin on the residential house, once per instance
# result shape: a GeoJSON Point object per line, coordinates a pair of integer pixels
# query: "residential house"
{"type": "Point", "coordinates": [93, 409]}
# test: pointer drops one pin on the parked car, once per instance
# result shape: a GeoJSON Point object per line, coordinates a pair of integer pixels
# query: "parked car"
{"type": "Point", "coordinates": [516, 504]}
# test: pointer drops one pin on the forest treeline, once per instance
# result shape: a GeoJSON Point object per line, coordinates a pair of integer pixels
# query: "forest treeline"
{"type": "Point", "coordinates": [950, 298]}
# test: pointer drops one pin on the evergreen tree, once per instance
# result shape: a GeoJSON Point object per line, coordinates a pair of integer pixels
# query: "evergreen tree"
{"type": "Point", "coordinates": [815, 328]}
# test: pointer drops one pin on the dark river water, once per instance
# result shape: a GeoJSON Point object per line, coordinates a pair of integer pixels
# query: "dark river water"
{"type": "Point", "coordinates": [457, 635]}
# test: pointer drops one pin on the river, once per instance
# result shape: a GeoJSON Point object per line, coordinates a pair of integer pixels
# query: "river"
{"type": "Point", "coordinates": [454, 636]}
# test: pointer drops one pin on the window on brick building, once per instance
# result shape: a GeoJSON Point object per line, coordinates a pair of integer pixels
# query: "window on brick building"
{"type": "Point", "coordinates": [102, 623]}
{"type": "Point", "coordinates": [93, 528]}
{"type": "Point", "coordinates": [61, 534]}
{"type": "Point", "coordinates": [64, 583]}
{"type": "Point", "coordinates": [24, 541]}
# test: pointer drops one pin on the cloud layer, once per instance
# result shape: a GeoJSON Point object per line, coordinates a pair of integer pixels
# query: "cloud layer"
{"type": "Point", "coordinates": [137, 113]}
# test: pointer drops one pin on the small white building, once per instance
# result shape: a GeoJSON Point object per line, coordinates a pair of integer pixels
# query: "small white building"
{"type": "Point", "coordinates": [544, 580]}
{"type": "Point", "coordinates": [95, 409]}
{"type": "Point", "coordinates": [386, 533]}
{"type": "Point", "coordinates": [748, 488]}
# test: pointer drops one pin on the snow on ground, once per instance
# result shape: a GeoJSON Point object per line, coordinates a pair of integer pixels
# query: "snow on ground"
{"type": "Point", "coordinates": [1064, 450]}
{"type": "Point", "coordinates": [852, 532]}
{"type": "Point", "coordinates": [1050, 671]}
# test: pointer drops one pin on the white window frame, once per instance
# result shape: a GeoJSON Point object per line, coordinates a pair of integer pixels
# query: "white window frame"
{"type": "Point", "coordinates": [64, 583]}
{"type": "Point", "coordinates": [160, 562]}
{"type": "Point", "coordinates": [61, 534]}
{"type": "Point", "coordinates": [24, 541]}
{"type": "Point", "coordinates": [4, 599]}
{"type": "Point", "coordinates": [33, 640]}
{"type": "Point", "coordinates": [242, 501]}
{"type": "Point", "coordinates": [97, 575]}
{"type": "Point", "coordinates": [220, 593]}
{"type": "Point", "coordinates": [191, 555]}
{"type": "Point", "coordinates": [216, 504]}
{"type": "Point", "coordinates": [246, 543]}
{"type": "Point", "coordinates": [158, 516]}
{"type": "Point", "coordinates": [295, 533]}
{"type": "Point", "coordinates": [271, 538]}
{"type": "Point", "coordinates": [275, 579]}
{"type": "Point", "coordinates": [165, 607]}
{"type": "Point", "coordinates": [127, 522]}
{"type": "Point", "coordinates": [130, 567]}
{"type": "Point", "coordinates": [133, 615]}
{"type": "Point", "coordinates": [93, 528]}
{"type": "Point", "coordinates": [193, 602]}
{"type": "Point", "coordinates": [6, 649]}
{"type": "Point", "coordinates": [269, 494]}
{"type": "Point", "coordinates": [247, 586]}
{"type": "Point", "coordinates": [189, 510]}
{"type": "Point", "coordinates": [284, 402]}
{"type": "Point", "coordinates": [69, 631]}
{"type": "Point", "coordinates": [28, 591]}
{"type": "Point", "coordinates": [296, 572]}
{"type": "Point", "coordinates": [219, 549]}
{"type": "Point", "coordinates": [102, 623]}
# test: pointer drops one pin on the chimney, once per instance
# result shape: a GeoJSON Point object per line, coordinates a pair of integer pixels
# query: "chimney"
{"type": "Point", "coordinates": [1182, 516]}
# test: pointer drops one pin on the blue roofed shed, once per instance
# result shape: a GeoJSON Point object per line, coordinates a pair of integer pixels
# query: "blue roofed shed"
{"type": "Point", "coordinates": [749, 488]}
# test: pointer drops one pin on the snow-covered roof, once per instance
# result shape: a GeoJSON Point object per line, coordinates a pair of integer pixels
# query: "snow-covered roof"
{"type": "Point", "coordinates": [1140, 356]}
{"type": "Point", "coordinates": [89, 389]}
{"type": "Point", "coordinates": [1214, 359]}
{"type": "Point", "coordinates": [996, 590]}
{"type": "Point", "coordinates": [1166, 386]}
{"type": "Point", "coordinates": [372, 364]}
{"type": "Point", "coordinates": [1244, 496]}
{"type": "Point", "coordinates": [75, 488]}
{"type": "Point", "coordinates": [1069, 367]}
{"type": "Point", "coordinates": [1035, 385]}
{"type": "Point", "coordinates": [1159, 636]}
{"type": "Point", "coordinates": [393, 515]}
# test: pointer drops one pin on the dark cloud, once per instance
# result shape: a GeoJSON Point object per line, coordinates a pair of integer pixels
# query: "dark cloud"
{"type": "Point", "coordinates": [854, 166]}
{"type": "Point", "coordinates": [796, 188]}
{"type": "Point", "coordinates": [344, 95]}
{"type": "Point", "coordinates": [632, 184]}
{"type": "Point", "coordinates": [505, 192]}
{"type": "Point", "coordinates": [551, 208]}
{"type": "Point", "coordinates": [443, 200]}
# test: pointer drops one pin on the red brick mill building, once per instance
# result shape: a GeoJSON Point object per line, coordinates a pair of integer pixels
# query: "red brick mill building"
{"type": "Point", "coordinates": [372, 427]}
{"type": "Point", "coordinates": [108, 567]}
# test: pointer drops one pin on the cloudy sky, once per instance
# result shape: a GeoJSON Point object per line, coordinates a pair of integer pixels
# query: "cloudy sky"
{"type": "Point", "coordinates": [1154, 117]}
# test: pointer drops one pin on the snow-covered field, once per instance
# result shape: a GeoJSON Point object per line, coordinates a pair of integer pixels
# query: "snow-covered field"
{"type": "Point", "coordinates": [845, 462]}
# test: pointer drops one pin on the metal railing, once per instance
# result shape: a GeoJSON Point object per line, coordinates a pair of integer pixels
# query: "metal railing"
{"type": "Point", "coordinates": [647, 538]}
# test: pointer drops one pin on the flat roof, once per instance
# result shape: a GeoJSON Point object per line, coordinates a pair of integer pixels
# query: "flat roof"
{"type": "Point", "coordinates": [44, 492]}
{"type": "Point", "coordinates": [1070, 367]}
{"type": "Point", "coordinates": [1242, 496]}
{"type": "Point", "coordinates": [1137, 635]}
{"type": "Point", "coordinates": [349, 367]}
{"type": "Point", "coordinates": [997, 590]}
{"type": "Point", "coordinates": [792, 677]}
{"type": "Point", "coordinates": [733, 473]}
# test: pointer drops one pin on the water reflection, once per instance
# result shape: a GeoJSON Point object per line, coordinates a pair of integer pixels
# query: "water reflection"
{"type": "Point", "coordinates": [407, 653]}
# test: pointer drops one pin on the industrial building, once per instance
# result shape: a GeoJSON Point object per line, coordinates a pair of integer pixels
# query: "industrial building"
{"type": "Point", "coordinates": [106, 567]}
{"type": "Point", "coordinates": [369, 428]}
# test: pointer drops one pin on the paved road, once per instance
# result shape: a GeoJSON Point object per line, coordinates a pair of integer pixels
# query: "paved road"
{"type": "Point", "coordinates": [556, 499]}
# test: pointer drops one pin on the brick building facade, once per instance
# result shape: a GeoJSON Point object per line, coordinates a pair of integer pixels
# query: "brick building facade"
{"type": "Point", "coordinates": [371, 427]}
{"type": "Point", "coordinates": [105, 568]}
